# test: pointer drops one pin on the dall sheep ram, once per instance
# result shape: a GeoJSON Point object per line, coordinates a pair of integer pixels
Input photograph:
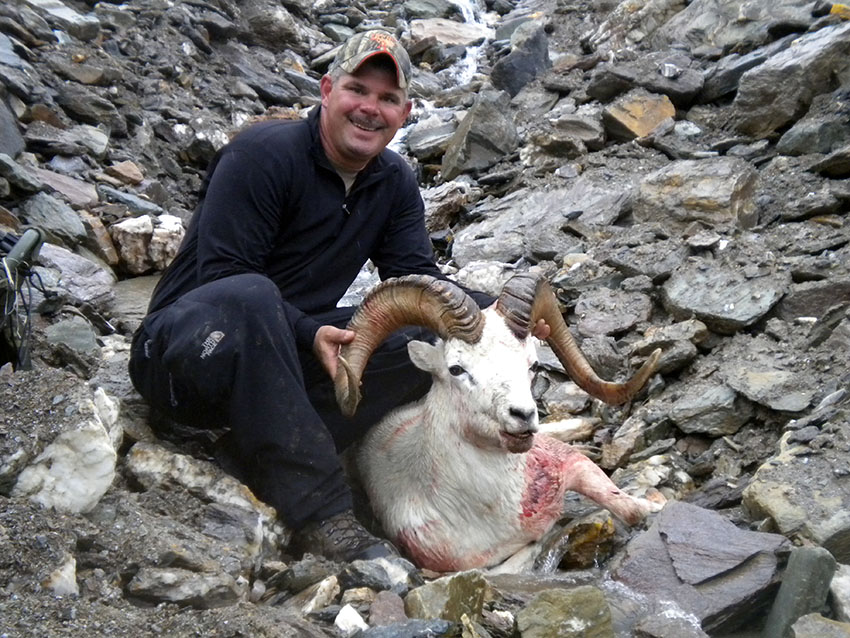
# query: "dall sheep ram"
{"type": "Point", "coordinates": [459, 479]}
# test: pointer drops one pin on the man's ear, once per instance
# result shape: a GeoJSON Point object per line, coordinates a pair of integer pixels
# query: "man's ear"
{"type": "Point", "coordinates": [325, 86]}
{"type": "Point", "coordinates": [424, 356]}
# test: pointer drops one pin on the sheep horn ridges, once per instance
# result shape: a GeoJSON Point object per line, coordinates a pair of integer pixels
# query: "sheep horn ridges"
{"type": "Point", "coordinates": [525, 299]}
{"type": "Point", "coordinates": [412, 300]}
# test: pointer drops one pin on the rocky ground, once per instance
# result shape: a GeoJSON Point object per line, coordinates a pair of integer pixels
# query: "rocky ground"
{"type": "Point", "coordinates": [678, 171]}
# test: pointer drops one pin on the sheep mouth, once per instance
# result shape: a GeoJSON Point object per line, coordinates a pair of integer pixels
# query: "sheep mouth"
{"type": "Point", "coordinates": [518, 442]}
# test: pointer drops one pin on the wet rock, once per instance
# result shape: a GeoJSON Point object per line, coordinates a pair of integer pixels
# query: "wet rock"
{"type": "Point", "coordinates": [804, 589]}
{"type": "Point", "coordinates": [577, 612]}
{"type": "Point", "coordinates": [448, 598]}
{"type": "Point", "coordinates": [715, 571]}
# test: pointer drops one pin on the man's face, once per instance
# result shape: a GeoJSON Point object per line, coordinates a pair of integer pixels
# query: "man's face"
{"type": "Point", "coordinates": [361, 113]}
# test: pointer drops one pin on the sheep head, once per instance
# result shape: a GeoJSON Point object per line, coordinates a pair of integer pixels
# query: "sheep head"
{"type": "Point", "coordinates": [486, 358]}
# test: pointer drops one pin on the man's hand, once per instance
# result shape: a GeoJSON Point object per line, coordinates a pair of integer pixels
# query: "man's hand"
{"type": "Point", "coordinates": [326, 346]}
{"type": "Point", "coordinates": [541, 330]}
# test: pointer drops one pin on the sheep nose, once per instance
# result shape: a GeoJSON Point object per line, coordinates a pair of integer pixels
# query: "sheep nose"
{"type": "Point", "coordinates": [524, 416]}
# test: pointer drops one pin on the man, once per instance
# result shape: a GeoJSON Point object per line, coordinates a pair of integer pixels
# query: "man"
{"type": "Point", "coordinates": [243, 329]}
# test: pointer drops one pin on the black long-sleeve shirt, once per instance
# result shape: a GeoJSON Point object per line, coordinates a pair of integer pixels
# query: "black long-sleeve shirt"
{"type": "Point", "coordinates": [271, 203]}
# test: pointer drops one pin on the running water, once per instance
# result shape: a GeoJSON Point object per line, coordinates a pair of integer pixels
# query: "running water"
{"type": "Point", "coordinates": [466, 67]}
{"type": "Point", "coordinates": [463, 70]}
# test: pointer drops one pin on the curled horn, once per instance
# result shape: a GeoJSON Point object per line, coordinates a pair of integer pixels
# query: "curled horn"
{"type": "Point", "coordinates": [412, 300]}
{"type": "Point", "coordinates": [525, 299]}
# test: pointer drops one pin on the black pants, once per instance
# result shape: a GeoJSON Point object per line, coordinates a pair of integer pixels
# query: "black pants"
{"type": "Point", "coordinates": [225, 355]}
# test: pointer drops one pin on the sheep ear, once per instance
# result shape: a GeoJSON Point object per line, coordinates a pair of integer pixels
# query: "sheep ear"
{"type": "Point", "coordinates": [424, 356]}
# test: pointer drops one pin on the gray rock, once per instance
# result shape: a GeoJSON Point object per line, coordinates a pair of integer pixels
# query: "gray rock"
{"type": "Point", "coordinates": [836, 164]}
{"type": "Point", "coordinates": [55, 217]}
{"type": "Point", "coordinates": [722, 297]}
{"type": "Point", "coordinates": [789, 81]}
{"type": "Point", "coordinates": [723, 78]}
{"type": "Point", "coordinates": [712, 569]}
{"type": "Point", "coordinates": [18, 176]}
{"type": "Point", "coordinates": [484, 137]}
{"type": "Point", "coordinates": [11, 140]}
{"type": "Point", "coordinates": [529, 56]}
{"type": "Point", "coordinates": [823, 129]}
{"type": "Point", "coordinates": [88, 107]}
{"type": "Point", "coordinates": [805, 586]}
{"type": "Point", "coordinates": [173, 585]}
{"type": "Point", "coordinates": [448, 598]}
{"type": "Point", "coordinates": [715, 410]}
{"type": "Point", "coordinates": [727, 25]}
{"type": "Point", "coordinates": [84, 27]}
{"type": "Point", "coordinates": [611, 312]}
{"type": "Point", "coordinates": [816, 626]}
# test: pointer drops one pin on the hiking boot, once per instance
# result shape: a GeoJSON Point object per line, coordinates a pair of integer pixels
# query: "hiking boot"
{"type": "Point", "coordinates": [342, 538]}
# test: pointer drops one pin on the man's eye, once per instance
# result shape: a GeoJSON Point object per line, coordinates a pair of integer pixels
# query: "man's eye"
{"type": "Point", "coordinates": [456, 371]}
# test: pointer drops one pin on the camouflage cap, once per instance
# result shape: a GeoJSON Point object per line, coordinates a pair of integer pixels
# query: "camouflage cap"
{"type": "Point", "coordinates": [362, 46]}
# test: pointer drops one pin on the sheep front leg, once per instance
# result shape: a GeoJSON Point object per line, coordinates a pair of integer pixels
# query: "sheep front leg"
{"type": "Point", "coordinates": [585, 477]}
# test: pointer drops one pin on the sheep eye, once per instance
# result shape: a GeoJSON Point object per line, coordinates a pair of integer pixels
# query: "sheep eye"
{"type": "Point", "coordinates": [456, 370]}
{"type": "Point", "coordinates": [534, 367]}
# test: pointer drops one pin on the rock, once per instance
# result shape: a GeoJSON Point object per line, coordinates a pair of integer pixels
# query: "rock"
{"type": "Point", "coordinates": [713, 191]}
{"type": "Point", "coordinates": [55, 217]}
{"type": "Point", "coordinates": [804, 589]}
{"type": "Point", "coordinates": [722, 298]}
{"type": "Point", "coordinates": [580, 612]}
{"type": "Point", "coordinates": [839, 591]}
{"type": "Point", "coordinates": [183, 587]}
{"type": "Point", "coordinates": [715, 410]}
{"type": "Point", "coordinates": [637, 114]}
{"type": "Point", "coordinates": [816, 626]}
{"type": "Point", "coordinates": [789, 80]}
{"type": "Point", "coordinates": [803, 493]}
{"type": "Point", "coordinates": [483, 138]}
{"type": "Point", "coordinates": [528, 57]}
{"type": "Point", "coordinates": [715, 571]}
{"type": "Point", "coordinates": [448, 598]}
